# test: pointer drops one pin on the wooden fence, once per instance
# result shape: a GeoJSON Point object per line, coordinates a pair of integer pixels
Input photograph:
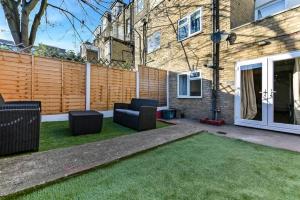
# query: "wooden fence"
{"type": "Point", "coordinates": [61, 85]}
{"type": "Point", "coordinates": [109, 86]}
{"type": "Point", "coordinates": [153, 84]}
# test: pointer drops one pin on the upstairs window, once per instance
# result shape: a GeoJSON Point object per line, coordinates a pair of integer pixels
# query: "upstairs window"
{"type": "Point", "coordinates": [189, 85]}
{"type": "Point", "coordinates": [153, 42]}
{"type": "Point", "coordinates": [269, 8]}
{"type": "Point", "coordinates": [128, 26]}
{"type": "Point", "coordinates": [116, 10]}
{"type": "Point", "coordinates": [183, 29]}
{"type": "Point", "coordinates": [195, 22]}
{"type": "Point", "coordinates": [139, 6]}
{"type": "Point", "coordinates": [190, 25]}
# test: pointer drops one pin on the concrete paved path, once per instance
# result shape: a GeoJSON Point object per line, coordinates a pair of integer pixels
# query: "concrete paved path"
{"type": "Point", "coordinates": [24, 172]}
{"type": "Point", "coordinates": [258, 136]}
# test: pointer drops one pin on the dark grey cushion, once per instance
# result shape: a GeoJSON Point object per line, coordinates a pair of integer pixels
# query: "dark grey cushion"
{"type": "Point", "coordinates": [136, 104]}
{"type": "Point", "coordinates": [129, 112]}
{"type": "Point", "coordinates": [2, 102]}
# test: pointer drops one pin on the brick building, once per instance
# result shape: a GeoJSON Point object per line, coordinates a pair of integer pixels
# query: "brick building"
{"type": "Point", "coordinates": [114, 36]}
{"type": "Point", "coordinates": [259, 83]}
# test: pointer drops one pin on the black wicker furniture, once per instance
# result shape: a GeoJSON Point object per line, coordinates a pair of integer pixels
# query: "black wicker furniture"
{"type": "Point", "coordinates": [140, 114]}
{"type": "Point", "coordinates": [85, 122]}
{"type": "Point", "coordinates": [19, 126]}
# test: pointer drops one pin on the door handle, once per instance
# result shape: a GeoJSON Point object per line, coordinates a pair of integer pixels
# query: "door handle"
{"type": "Point", "coordinates": [272, 92]}
{"type": "Point", "coordinates": [265, 93]}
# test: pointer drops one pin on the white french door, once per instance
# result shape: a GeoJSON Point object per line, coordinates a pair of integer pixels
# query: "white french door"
{"type": "Point", "coordinates": [267, 93]}
{"type": "Point", "coordinates": [257, 71]}
{"type": "Point", "coordinates": [282, 104]}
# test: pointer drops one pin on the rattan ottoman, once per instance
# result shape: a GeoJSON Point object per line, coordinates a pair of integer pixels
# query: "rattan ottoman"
{"type": "Point", "coordinates": [85, 122]}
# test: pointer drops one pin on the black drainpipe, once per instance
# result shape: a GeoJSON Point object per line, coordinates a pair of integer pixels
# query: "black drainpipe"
{"type": "Point", "coordinates": [144, 42]}
{"type": "Point", "coordinates": [216, 61]}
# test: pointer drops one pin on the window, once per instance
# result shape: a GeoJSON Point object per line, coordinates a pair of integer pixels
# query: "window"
{"type": "Point", "coordinates": [183, 29]}
{"type": "Point", "coordinates": [190, 25]}
{"type": "Point", "coordinates": [153, 42]}
{"type": "Point", "coordinates": [195, 22]}
{"type": "Point", "coordinates": [269, 8]}
{"type": "Point", "coordinates": [139, 6]}
{"type": "Point", "coordinates": [116, 11]}
{"type": "Point", "coordinates": [189, 85]}
{"type": "Point", "coordinates": [128, 28]}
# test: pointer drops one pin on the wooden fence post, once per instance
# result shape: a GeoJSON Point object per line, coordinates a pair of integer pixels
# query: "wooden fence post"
{"type": "Point", "coordinates": [107, 87]}
{"type": "Point", "coordinates": [62, 86]}
{"type": "Point", "coordinates": [137, 82]}
{"type": "Point", "coordinates": [32, 77]}
{"type": "Point", "coordinates": [88, 87]}
{"type": "Point", "coordinates": [168, 101]}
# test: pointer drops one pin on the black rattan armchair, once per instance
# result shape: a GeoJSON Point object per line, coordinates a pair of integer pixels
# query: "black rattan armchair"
{"type": "Point", "coordinates": [19, 127]}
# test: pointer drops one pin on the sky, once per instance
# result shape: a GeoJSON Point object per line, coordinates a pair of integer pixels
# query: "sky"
{"type": "Point", "coordinates": [55, 28]}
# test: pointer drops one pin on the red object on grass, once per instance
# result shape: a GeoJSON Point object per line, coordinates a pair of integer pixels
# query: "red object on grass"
{"type": "Point", "coordinates": [212, 122]}
{"type": "Point", "coordinates": [158, 115]}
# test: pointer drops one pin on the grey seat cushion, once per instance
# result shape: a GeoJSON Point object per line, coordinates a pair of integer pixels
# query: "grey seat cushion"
{"type": "Point", "coordinates": [136, 104]}
{"type": "Point", "coordinates": [130, 112]}
{"type": "Point", "coordinates": [2, 102]}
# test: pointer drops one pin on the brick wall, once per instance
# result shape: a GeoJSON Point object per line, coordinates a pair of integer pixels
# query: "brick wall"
{"type": "Point", "coordinates": [171, 55]}
{"type": "Point", "coordinates": [282, 30]}
{"type": "Point", "coordinates": [91, 55]}
{"type": "Point", "coordinates": [121, 51]}
{"type": "Point", "coordinates": [241, 12]}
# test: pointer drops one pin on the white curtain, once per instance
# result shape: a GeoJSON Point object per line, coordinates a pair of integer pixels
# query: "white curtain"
{"type": "Point", "coordinates": [296, 91]}
{"type": "Point", "coordinates": [248, 97]}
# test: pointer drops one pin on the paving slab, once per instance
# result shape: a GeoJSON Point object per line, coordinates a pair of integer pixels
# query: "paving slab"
{"type": "Point", "coordinates": [23, 172]}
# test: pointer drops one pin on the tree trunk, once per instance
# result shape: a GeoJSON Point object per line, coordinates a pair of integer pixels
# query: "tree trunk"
{"type": "Point", "coordinates": [17, 14]}
{"type": "Point", "coordinates": [13, 19]}
{"type": "Point", "coordinates": [24, 28]}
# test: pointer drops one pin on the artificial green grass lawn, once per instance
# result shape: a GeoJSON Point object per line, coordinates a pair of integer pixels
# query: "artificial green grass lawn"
{"type": "Point", "coordinates": [201, 167]}
{"type": "Point", "coordinates": [57, 134]}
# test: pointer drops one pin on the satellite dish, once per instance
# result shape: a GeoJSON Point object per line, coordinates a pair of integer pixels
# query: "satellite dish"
{"type": "Point", "coordinates": [232, 38]}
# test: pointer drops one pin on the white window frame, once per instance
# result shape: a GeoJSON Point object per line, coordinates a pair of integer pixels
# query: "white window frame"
{"type": "Point", "coordinates": [267, 5]}
{"type": "Point", "coordinates": [148, 42]}
{"type": "Point", "coordinates": [139, 9]}
{"type": "Point", "coordinates": [189, 79]}
{"type": "Point", "coordinates": [188, 17]}
{"type": "Point", "coordinates": [128, 26]}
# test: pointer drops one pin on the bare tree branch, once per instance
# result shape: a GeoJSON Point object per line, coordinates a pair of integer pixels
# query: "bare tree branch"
{"type": "Point", "coordinates": [37, 21]}
{"type": "Point", "coordinates": [18, 15]}
{"type": "Point", "coordinates": [73, 16]}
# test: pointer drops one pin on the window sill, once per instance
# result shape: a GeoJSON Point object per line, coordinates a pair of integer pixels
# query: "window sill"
{"type": "Point", "coordinates": [139, 11]}
{"type": "Point", "coordinates": [253, 21]}
{"type": "Point", "coordinates": [153, 52]}
{"type": "Point", "coordinates": [277, 13]}
{"type": "Point", "coordinates": [191, 36]}
{"type": "Point", "coordinates": [189, 97]}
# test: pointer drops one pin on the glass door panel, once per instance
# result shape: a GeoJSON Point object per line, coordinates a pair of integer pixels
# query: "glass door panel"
{"type": "Point", "coordinates": [251, 97]}
{"type": "Point", "coordinates": [284, 93]}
